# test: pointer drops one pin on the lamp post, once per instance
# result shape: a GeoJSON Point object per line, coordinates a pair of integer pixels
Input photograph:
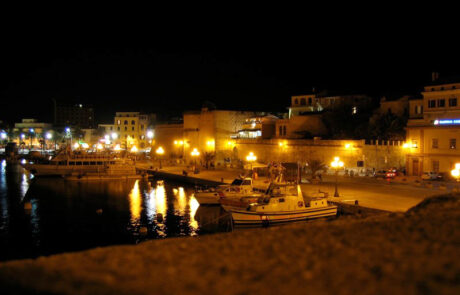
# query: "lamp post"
{"type": "Point", "coordinates": [160, 151]}
{"type": "Point", "coordinates": [336, 164]}
{"type": "Point", "coordinates": [251, 158]}
{"type": "Point", "coordinates": [195, 153]}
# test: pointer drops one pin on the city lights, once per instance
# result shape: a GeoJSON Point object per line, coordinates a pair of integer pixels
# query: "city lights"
{"type": "Point", "coordinates": [456, 172]}
{"type": "Point", "coordinates": [114, 135]}
{"type": "Point", "coordinates": [160, 151]}
{"type": "Point", "coordinates": [117, 147]}
{"type": "Point", "coordinates": [3, 135]}
{"type": "Point", "coordinates": [348, 145]}
{"type": "Point", "coordinates": [76, 145]}
{"type": "Point", "coordinates": [99, 146]}
{"type": "Point", "coordinates": [49, 135]}
{"type": "Point", "coordinates": [134, 149]}
{"type": "Point", "coordinates": [150, 134]}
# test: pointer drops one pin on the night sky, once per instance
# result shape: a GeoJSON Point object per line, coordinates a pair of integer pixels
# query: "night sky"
{"type": "Point", "coordinates": [254, 70]}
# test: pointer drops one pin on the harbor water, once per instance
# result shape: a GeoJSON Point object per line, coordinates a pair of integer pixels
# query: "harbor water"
{"type": "Point", "coordinates": [44, 216]}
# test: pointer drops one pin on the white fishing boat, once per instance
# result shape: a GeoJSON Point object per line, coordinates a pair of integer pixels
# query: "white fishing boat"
{"type": "Point", "coordinates": [282, 203]}
{"type": "Point", "coordinates": [239, 188]}
{"type": "Point", "coordinates": [78, 166]}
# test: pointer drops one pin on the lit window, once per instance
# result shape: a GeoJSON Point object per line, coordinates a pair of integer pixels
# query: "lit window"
{"type": "Point", "coordinates": [435, 165]}
{"type": "Point", "coordinates": [354, 110]}
{"type": "Point", "coordinates": [118, 122]}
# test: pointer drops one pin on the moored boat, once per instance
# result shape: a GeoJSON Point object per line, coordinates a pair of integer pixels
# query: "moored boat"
{"type": "Point", "coordinates": [239, 188]}
{"type": "Point", "coordinates": [282, 203]}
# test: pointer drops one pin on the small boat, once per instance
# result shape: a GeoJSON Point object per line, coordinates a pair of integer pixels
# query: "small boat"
{"type": "Point", "coordinates": [282, 203]}
{"type": "Point", "coordinates": [239, 188]}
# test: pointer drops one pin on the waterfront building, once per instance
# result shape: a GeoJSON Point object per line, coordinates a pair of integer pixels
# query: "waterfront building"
{"type": "Point", "coordinates": [433, 129]}
{"type": "Point", "coordinates": [30, 132]}
{"type": "Point", "coordinates": [132, 129]}
{"type": "Point", "coordinates": [210, 131]}
{"type": "Point", "coordinates": [170, 136]}
{"type": "Point", "coordinates": [73, 115]}
{"type": "Point", "coordinates": [258, 127]}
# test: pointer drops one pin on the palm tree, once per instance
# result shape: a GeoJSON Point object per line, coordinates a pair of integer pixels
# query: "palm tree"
{"type": "Point", "coordinates": [208, 157]}
{"type": "Point", "coordinates": [315, 165]}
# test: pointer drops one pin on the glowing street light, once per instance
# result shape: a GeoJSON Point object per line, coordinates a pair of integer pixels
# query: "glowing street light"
{"type": "Point", "coordinates": [114, 135]}
{"type": "Point", "coordinates": [49, 135]}
{"type": "Point", "coordinates": [99, 146]}
{"type": "Point", "coordinates": [160, 151]}
{"type": "Point", "coordinates": [117, 148]}
{"type": "Point", "coordinates": [3, 135]}
{"type": "Point", "coordinates": [150, 134]}
{"type": "Point", "coordinates": [134, 149]}
{"type": "Point", "coordinates": [85, 145]}
{"type": "Point", "coordinates": [195, 153]}
{"type": "Point", "coordinates": [251, 158]}
{"type": "Point", "coordinates": [336, 164]}
{"type": "Point", "coordinates": [76, 145]}
{"type": "Point", "coordinates": [23, 136]}
{"type": "Point", "coordinates": [456, 172]}
{"type": "Point", "coordinates": [347, 145]}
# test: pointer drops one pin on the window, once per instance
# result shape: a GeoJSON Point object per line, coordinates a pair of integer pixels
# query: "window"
{"type": "Point", "coordinates": [453, 143]}
{"type": "Point", "coordinates": [118, 128]}
{"type": "Point", "coordinates": [126, 128]}
{"type": "Point", "coordinates": [441, 103]}
{"type": "Point", "coordinates": [432, 103]}
{"type": "Point", "coordinates": [418, 109]}
{"type": "Point", "coordinates": [126, 122]}
{"type": "Point", "coordinates": [303, 102]}
{"type": "Point", "coordinates": [118, 122]}
{"type": "Point", "coordinates": [133, 122]}
{"type": "Point", "coordinates": [435, 165]}
{"type": "Point", "coordinates": [142, 127]}
{"type": "Point", "coordinates": [132, 128]}
{"type": "Point", "coordinates": [296, 101]}
{"type": "Point", "coordinates": [309, 101]}
{"type": "Point", "coordinates": [354, 110]}
{"type": "Point", "coordinates": [111, 128]}
{"type": "Point", "coordinates": [452, 102]}
{"type": "Point", "coordinates": [280, 131]}
{"type": "Point", "coordinates": [284, 130]}
{"type": "Point", "coordinates": [434, 143]}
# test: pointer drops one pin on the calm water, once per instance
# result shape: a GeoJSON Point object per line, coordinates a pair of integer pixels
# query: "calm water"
{"type": "Point", "coordinates": [69, 216]}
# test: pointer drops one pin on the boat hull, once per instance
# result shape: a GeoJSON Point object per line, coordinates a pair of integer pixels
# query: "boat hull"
{"type": "Point", "coordinates": [207, 198]}
{"type": "Point", "coordinates": [251, 218]}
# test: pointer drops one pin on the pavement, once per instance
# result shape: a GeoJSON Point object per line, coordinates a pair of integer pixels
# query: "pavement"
{"type": "Point", "coordinates": [397, 195]}
{"type": "Point", "coordinates": [388, 253]}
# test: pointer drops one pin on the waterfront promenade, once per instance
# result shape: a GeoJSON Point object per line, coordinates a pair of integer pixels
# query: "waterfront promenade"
{"type": "Point", "coordinates": [394, 196]}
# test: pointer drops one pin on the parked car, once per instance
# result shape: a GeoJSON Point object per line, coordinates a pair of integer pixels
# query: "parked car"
{"type": "Point", "coordinates": [385, 173]}
{"type": "Point", "coordinates": [431, 176]}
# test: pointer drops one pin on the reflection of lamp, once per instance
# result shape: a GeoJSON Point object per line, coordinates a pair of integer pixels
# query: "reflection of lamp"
{"type": "Point", "coordinates": [336, 164]}
{"type": "Point", "coordinates": [160, 151]}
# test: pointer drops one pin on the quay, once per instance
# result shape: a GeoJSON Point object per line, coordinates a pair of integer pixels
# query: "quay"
{"type": "Point", "coordinates": [395, 196]}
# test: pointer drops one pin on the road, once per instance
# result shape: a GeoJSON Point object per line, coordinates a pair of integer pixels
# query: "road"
{"type": "Point", "coordinates": [376, 193]}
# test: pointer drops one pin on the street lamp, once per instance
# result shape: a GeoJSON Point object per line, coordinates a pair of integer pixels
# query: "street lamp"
{"type": "Point", "coordinates": [251, 158]}
{"type": "Point", "coordinates": [160, 151]}
{"type": "Point", "coordinates": [150, 134]}
{"type": "Point", "coordinates": [336, 164]}
{"type": "Point", "coordinates": [456, 172]}
{"type": "Point", "coordinates": [195, 153]}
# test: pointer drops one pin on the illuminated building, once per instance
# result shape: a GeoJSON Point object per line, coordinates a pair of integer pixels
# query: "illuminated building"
{"type": "Point", "coordinates": [258, 127]}
{"type": "Point", "coordinates": [433, 129]}
{"type": "Point", "coordinates": [73, 114]}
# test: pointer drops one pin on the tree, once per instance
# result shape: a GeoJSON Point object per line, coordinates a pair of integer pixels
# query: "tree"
{"type": "Point", "coordinates": [388, 126]}
{"type": "Point", "coordinates": [208, 157]}
{"type": "Point", "coordinates": [315, 166]}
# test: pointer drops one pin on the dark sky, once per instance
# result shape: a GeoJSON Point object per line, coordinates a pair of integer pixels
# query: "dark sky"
{"type": "Point", "coordinates": [253, 69]}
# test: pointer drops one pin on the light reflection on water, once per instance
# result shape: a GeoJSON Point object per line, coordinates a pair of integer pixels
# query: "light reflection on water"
{"type": "Point", "coordinates": [69, 216]}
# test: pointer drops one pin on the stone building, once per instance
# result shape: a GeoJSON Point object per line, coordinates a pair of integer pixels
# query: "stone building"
{"type": "Point", "coordinates": [211, 131]}
{"type": "Point", "coordinates": [433, 129]}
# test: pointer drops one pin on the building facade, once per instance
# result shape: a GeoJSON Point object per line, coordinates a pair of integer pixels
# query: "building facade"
{"type": "Point", "coordinates": [73, 115]}
{"type": "Point", "coordinates": [433, 129]}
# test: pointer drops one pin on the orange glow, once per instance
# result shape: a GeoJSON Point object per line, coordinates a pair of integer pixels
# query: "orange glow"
{"type": "Point", "coordinates": [135, 203]}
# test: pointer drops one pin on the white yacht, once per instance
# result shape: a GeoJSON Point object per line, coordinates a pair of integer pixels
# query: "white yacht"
{"type": "Point", "coordinates": [281, 203]}
{"type": "Point", "coordinates": [80, 165]}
